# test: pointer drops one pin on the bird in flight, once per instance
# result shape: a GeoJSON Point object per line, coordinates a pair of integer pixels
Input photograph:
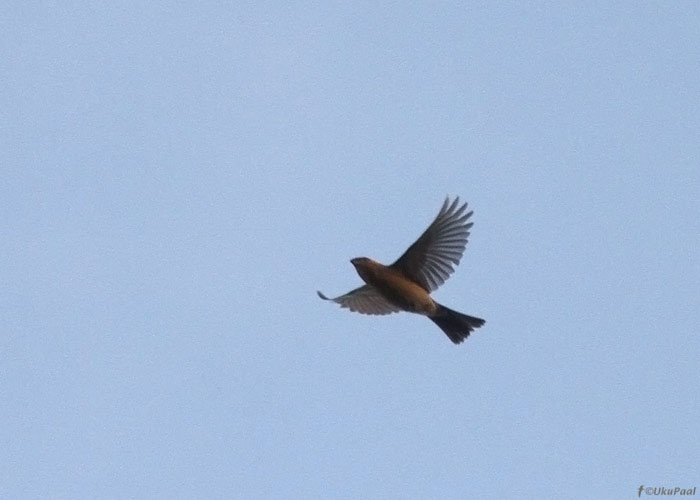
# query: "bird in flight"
{"type": "Point", "coordinates": [406, 284]}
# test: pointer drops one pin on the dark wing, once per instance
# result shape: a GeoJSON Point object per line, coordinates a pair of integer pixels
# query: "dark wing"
{"type": "Point", "coordinates": [365, 300]}
{"type": "Point", "coordinates": [429, 261]}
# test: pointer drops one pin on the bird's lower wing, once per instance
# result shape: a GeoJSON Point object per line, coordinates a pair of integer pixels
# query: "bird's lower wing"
{"type": "Point", "coordinates": [365, 300]}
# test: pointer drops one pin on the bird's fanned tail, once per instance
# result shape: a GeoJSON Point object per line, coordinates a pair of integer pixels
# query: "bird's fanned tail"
{"type": "Point", "coordinates": [456, 325]}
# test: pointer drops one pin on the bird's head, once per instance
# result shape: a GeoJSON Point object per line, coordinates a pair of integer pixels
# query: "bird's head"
{"type": "Point", "coordinates": [365, 267]}
{"type": "Point", "coordinates": [360, 261]}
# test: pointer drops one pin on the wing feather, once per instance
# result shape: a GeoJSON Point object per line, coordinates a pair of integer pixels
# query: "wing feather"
{"type": "Point", "coordinates": [433, 256]}
{"type": "Point", "coordinates": [364, 300]}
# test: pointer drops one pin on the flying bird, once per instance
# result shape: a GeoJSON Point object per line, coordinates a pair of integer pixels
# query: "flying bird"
{"type": "Point", "coordinates": [406, 284]}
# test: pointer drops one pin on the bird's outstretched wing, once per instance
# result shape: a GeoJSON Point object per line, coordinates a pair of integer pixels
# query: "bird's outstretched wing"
{"type": "Point", "coordinates": [365, 300]}
{"type": "Point", "coordinates": [429, 261]}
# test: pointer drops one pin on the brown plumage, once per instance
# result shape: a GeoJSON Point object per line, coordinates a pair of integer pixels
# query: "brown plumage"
{"type": "Point", "coordinates": [406, 284]}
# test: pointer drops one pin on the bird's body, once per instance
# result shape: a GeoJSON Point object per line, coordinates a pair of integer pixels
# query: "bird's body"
{"type": "Point", "coordinates": [392, 285]}
{"type": "Point", "coordinates": [406, 284]}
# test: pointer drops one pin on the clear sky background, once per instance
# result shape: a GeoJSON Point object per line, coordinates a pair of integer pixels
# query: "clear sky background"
{"type": "Point", "coordinates": [179, 180]}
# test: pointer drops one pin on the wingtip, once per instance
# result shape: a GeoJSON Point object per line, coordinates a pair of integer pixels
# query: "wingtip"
{"type": "Point", "coordinates": [321, 295]}
{"type": "Point", "coordinates": [451, 206]}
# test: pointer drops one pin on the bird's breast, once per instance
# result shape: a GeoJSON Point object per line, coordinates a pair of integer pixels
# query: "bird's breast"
{"type": "Point", "coordinates": [399, 290]}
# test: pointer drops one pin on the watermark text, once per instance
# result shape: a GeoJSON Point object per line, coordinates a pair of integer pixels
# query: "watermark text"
{"type": "Point", "coordinates": [662, 491]}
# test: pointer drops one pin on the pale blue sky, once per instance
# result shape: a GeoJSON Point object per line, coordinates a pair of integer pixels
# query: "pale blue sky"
{"type": "Point", "coordinates": [178, 181]}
